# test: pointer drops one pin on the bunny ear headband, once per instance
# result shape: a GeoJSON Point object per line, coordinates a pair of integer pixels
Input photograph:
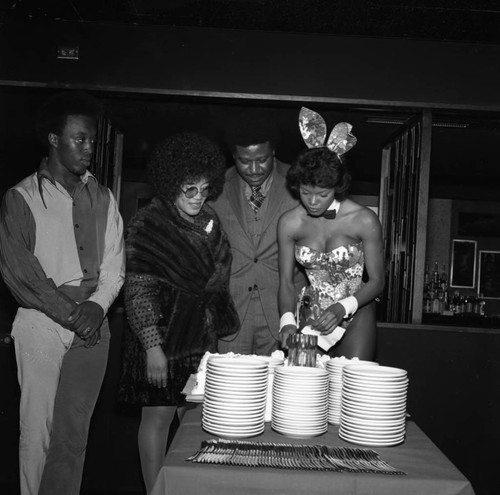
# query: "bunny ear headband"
{"type": "Point", "coordinates": [313, 129]}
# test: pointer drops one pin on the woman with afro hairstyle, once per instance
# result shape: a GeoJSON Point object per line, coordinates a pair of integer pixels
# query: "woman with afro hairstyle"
{"type": "Point", "coordinates": [339, 244]}
{"type": "Point", "coordinates": [176, 288]}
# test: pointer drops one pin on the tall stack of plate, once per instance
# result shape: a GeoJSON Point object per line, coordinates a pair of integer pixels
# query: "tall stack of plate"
{"type": "Point", "coordinates": [373, 408]}
{"type": "Point", "coordinates": [274, 362]}
{"type": "Point", "coordinates": [334, 367]}
{"type": "Point", "coordinates": [300, 401]}
{"type": "Point", "coordinates": [235, 396]}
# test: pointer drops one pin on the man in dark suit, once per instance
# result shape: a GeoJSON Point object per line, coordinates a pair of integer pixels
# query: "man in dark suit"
{"type": "Point", "coordinates": [254, 197]}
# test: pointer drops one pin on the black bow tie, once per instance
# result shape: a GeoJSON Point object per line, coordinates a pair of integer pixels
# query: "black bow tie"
{"type": "Point", "coordinates": [330, 214]}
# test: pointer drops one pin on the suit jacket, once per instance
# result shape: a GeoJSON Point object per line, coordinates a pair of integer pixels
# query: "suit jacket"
{"type": "Point", "coordinates": [255, 264]}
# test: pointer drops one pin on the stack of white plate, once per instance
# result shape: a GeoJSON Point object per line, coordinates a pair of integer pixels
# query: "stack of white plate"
{"type": "Point", "coordinates": [235, 396]}
{"type": "Point", "coordinates": [334, 367]}
{"type": "Point", "coordinates": [373, 405]}
{"type": "Point", "coordinates": [274, 363]}
{"type": "Point", "coordinates": [300, 401]}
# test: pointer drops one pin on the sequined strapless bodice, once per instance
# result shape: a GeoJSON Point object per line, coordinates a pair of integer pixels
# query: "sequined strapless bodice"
{"type": "Point", "coordinates": [332, 275]}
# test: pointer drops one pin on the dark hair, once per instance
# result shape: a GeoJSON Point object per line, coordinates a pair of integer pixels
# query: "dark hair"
{"type": "Point", "coordinates": [186, 157]}
{"type": "Point", "coordinates": [319, 167]}
{"type": "Point", "coordinates": [53, 114]}
{"type": "Point", "coordinates": [245, 129]}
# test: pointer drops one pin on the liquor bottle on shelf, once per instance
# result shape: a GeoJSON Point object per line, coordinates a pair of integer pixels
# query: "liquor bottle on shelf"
{"type": "Point", "coordinates": [435, 274]}
{"type": "Point", "coordinates": [457, 303]}
{"type": "Point", "coordinates": [444, 279]}
{"type": "Point", "coordinates": [427, 306]}
{"type": "Point", "coordinates": [446, 303]}
{"type": "Point", "coordinates": [430, 293]}
{"type": "Point", "coordinates": [475, 305]}
{"type": "Point", "coordinates": [469, 304]}
{"type": "Point", "coordinates": [451, 306]}
{"type": "Point", "coordinates": [441, 304]}
{"type": "Point", "coordinates": [482, 305]}
{"type": "Point", "coordinates": [426, 276]}
{"type": "Point", "coordinates": [465, 301]}
{"type": "Point", "coordinates": [427, 296]}
{"type": "Point", "coordinates": [436, 302]}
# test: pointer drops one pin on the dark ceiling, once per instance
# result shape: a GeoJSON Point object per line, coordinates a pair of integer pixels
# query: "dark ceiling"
{"type": "Point", "coordinates": [460, 156]}
{"type": "Point", "coordinates": [454, 20]}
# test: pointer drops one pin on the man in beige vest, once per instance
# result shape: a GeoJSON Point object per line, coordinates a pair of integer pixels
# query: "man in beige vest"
{"type": "Point", "coordinates": [254, 197]}
{"type": "Point", "coordinates": [62, 257]}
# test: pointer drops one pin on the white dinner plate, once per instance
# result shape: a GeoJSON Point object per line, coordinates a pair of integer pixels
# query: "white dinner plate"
{"type": "Point", "coordinates": [375, 395]}
{"type": "Point", "coordinates": [233, 433]}
{"type": "Point", "coordinates": [276, 413]}
{"type": "Point", "coordinates": [313, 401]}
{"type": "Point", "coordinates": [246, 400]}
{"type": "Point", "coordinates": [234, 412]}
{"type": "Point", "coordinates": [358, 381]}
{"type": "Point", "coordinates": [240, 389]}
{"type": "Point", "coordinates": [301, 373]}
{"type": "Point", "coordinates": [382, 373]}
{"type": "Point", "coordinates": [369, 441]}
{"type": "Point", "coordinates": [228, 423]}
{"type": "Point", "coordinates": [237, 362]}
{"type": "Point", "coordinates": [374, 425]}
{"type": "Point", "coordinates": [376, 392]}
{"type": "Point", "coordinates": [372, 433]}
{"type": "Point", "coordinates": [375, 385]}
{"type": "Point", "coordinates": [293, 385]}
{"type": "Point", "coordinates": [378, 401]}
{"type": "Point", "coordinates": [231, 382]}
{"type": "Point", "coordinates": [303, 427]}
{"type": "Point", "coordinates": [230, 403]}
{"type": "Point", "coordinates": [298, 408]}
{"type": "Point", "coordinates": [298, 392]}
{"type": "Point", "coordinates": [302, 389]}
{"type": "Point", "coordinates": [373, 412]}
{"type": "Point", "coordinates": [313, 427]}
{"type": "Point", "coordinates": [236, 386]}
{"type": "Point", "coordinates": [362, 402]}
{"type": "Point", "coordinates": [237, 371]}
{"type": "Point", "coordinates": [374, 415]}
{"type": "Point", "coordinates": [244, 427]}
{"type": "Point", "coordinates": [293, 433]}
{"type": "Point", "coordinates": [235, 395]}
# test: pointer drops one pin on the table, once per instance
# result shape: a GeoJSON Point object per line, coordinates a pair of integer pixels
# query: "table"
{"type": "Point", "coordinates": [428, 470]}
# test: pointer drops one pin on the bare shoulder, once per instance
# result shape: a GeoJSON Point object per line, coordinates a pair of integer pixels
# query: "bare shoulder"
{"type": "Point", "coordinates": [291, 216]}
{"type": "Point", "coordinates": [358, 210]}
{"type": "Point", "coordinates": [368, 215]}
{"type": "Point", "coordinates": [361, 217]}
{"type": "Point", "coordinates": [292, 219]}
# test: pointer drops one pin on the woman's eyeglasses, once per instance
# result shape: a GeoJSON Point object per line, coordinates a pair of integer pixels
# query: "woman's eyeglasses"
{"type": "Point", "coordinates": [193, 191]}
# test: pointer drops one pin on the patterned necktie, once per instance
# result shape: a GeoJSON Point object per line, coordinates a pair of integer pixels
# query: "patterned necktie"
{"type": "Point", "coordinates": [256, 198]}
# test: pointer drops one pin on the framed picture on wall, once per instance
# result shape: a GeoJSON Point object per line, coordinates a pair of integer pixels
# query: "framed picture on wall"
{"type": "Point", "coordinates": [489, 274]}
{"type": "Point", "coordinates": [463, 264]}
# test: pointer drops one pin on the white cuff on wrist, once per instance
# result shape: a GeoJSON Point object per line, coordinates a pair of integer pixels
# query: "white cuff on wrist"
{"type": "Point", "coordinates": [287, 319]}
{"type": "Point", "coordinates": [350, 305]}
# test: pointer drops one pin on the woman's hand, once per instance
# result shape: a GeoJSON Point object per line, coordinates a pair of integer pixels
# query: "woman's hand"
{"type": "Point", "coordinates": [330, 319]}
{"type": "Point", "coordinates": [156, 367]}
{"type": "Point", "coordinates": [285, 332]}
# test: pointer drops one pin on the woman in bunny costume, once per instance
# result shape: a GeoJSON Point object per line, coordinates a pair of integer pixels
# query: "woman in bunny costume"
{"type": "Point", "coordinates": [337, 241]}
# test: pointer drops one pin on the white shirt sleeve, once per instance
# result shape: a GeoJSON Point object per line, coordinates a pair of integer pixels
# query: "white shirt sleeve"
{"type": "Point", "coordinates": [112, 270]}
